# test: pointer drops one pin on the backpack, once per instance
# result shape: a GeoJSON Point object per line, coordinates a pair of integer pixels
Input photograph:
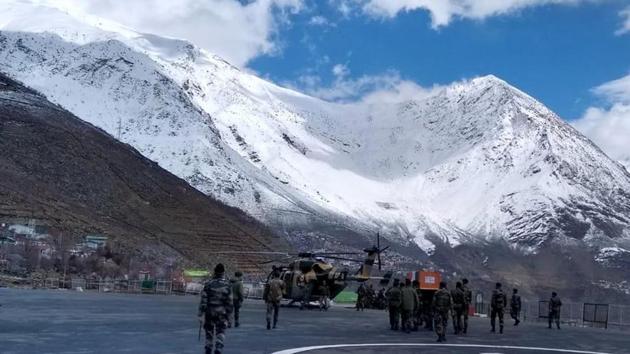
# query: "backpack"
{"type": "Point", "coordinates": [498, 299]}
{"type": "Point", "coordinates": [458, 297]}
{"type": "Point", "coordinates": [274, 290]}
{"type": "Point", "coordinates": [442, 299]}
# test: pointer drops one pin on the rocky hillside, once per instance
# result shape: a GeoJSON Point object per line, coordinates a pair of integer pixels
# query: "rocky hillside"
{"type": "Point", "coordinates": [58, 169]}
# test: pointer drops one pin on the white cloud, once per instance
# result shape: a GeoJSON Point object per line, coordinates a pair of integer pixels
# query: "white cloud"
{"type": "Point", "coordinates": [609, 127]}
{"type": "Point", "coordinates": [235, 30]}
{"type": "Point", "coordinates": [340, 70]}
{"type": "Point", "coordinates": [625, 26]}
{"type": "Point", "coordinates": [318, 21]}
{"type": "Point", "coordinates": [444, 11]}
{"type": "Point", "coordinates": [616, 91]}
{"type": "Point", "coordinates": [382, 88]}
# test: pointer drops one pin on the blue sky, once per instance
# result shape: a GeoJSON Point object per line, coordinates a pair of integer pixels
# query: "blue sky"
{"type": "Point", "coordinates": [555, 53]}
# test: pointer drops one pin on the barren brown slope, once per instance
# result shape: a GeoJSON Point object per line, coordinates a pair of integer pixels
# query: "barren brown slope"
{"type": "Point", "coordinates": [57, 168]}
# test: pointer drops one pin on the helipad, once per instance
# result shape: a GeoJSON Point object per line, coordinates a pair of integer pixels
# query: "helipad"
{"type": "Point", "coordinates": [39, 321]}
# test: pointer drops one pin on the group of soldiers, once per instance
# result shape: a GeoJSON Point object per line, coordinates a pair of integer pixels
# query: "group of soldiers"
{"type": "Point", "coordinates": [409, 309]}
{"type": "Point", "coordinates": [221, 300]}
{"type": "Point", "coordinates": [368, 298]}
{"type": "Point", "coordinates": [499, 302]}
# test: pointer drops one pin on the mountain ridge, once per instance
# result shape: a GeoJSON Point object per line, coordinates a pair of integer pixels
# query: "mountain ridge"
{"type": "Point", "coordinates": [473, 161]}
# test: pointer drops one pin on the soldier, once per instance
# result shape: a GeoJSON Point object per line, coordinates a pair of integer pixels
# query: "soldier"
{"type": "Point", "coordinates": [372, 297]}
{"type": "Point", "coordinates": [308, 292]}
{"type": "Point", "coordinates": [237, 295]}
{"type": "Point", "coordinates": [468, 299]}
{"type": "Point", "coordinates": [418, 312]}
{"type": "Point", "coordinates": [272, 296]}
{"type": "Point", "coordinates": [393, 305]}
{"type": "Point", "coordinates": [459, 304]}
{"type": "Point", "coordinates": [409, 303]}
{"type": "Point", "coordinates": [381, 299]}
{"type": "Point", "coordinates": [497, 307]}
{"type": "Point", "coordinates": [215, 309]}
{"type": "Point", "coordinates": [442, 304]}
{"type": "Point", "coordinates": [324, 295]}
{"type": "Point", "coordinates": [515, 306]}
{"type": "Point", "coordinates": [361, 294]}
{"type": "Point", "coordinates": [554, 309]}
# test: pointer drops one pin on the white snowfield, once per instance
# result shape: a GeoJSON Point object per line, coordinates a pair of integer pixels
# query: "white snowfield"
{"type": "Point", "coordinates": [477, 160]}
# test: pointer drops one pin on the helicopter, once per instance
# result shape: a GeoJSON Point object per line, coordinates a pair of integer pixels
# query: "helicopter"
{"type": "Point", "coordinates": [305, 274]}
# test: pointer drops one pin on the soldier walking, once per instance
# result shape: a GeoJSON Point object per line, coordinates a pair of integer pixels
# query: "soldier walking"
{"type": "Point", "coordinates": [459, 304]}
{"type": "Point", "coordinates": [272, 296]}
{"type": "Point", "coordinates": [442, 304]}
{"type": "Point", "coordinates": [215, 309]}
{"type": "Point", "coordinates": [468, 299]}
{"type": "Point", "coordinates": [554, 309]}
{"type": "Point", "coordinates": [409, 305]}
{"type": "Point", "coordinates": [418, 312]}
{"type": "Point", "coordinates": [237, 296]}
{"type": "Point", "coordinates": [515, 306]}
{"type": "Point", "coordinates": [361, 294]}
{"type": "Point", "coordinates": [324, 301]}
{"type": "Point", "coordinates": [394, 296]}
{"type": "Point", "coordinates": [497, 307]}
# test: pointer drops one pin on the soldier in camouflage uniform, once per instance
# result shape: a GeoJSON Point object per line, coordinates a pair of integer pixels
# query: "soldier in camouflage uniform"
{"type": "Point", "coordinates": [274, 289]}
{"type": "Point", "coordinates": [515, 306]}
{"type": "Point", "coordinates": [497, 307]}
{"type": "Point", "coordinates": [215, 309]}
{"type": "Point", "coordinates": [394, 295]}
{"type": "Point", "coordinates": [459, 303]}
{"type": "Point", "coordinates": [409, 303]}
{"type": "Point", "coordinates": [442, 304]}
{"type": "Point", "coordinates": [418, 312]}
{"type": "Point", "coordinates": [554, 309]}
{"type": "Point", "coordinates": [468, 301]}
{"type": "Point", "coordinates": [237, 296]}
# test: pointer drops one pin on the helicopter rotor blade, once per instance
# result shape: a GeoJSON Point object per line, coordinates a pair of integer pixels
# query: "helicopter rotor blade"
{"type": "Point", "coordinates": [248, 252]}
{"type": "Point", "coordinates": [344, 259]}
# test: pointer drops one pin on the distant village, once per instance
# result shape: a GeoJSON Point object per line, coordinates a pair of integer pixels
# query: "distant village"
{"type": "Point", "coordinates": [26, 245]}
{"type": "Point", "coordinates": [35, 255]}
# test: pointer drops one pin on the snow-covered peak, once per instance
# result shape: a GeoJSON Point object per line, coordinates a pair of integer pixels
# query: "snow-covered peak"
{"type": "Point", "coordinates": [474, 160]}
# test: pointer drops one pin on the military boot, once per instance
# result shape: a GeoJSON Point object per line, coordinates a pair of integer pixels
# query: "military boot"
{"type": "Point", "coordinates": [501, 330]}
{"type": "Point", "coordinates": [268, 325]}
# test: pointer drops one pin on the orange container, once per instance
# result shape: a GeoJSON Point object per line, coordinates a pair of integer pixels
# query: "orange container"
{"type": "Point", "coordinates": [428, 280]}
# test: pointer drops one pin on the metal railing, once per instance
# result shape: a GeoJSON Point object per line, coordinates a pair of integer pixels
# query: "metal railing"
{"type": "Point", "coordinates": [573, 314]}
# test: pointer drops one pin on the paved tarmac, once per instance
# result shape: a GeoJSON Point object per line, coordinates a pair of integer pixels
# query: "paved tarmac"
{"type": "Point", "coordinates": [54, 321]}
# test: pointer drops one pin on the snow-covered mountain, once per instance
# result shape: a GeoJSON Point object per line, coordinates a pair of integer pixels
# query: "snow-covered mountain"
{"type": "Point", "coordinates": [476, 160]}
